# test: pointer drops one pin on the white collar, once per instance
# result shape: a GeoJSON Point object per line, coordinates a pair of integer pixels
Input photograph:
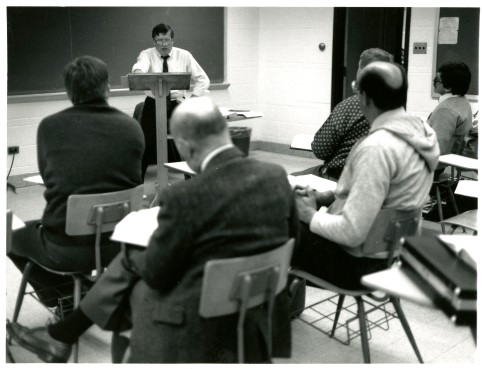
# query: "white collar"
{"type": "Point", "coordinates": [447, 96]}
{"type": "Point", "coordinates": [212, 154]}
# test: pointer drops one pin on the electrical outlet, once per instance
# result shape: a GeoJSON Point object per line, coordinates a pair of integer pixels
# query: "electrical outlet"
{"type": "Point", "coordinates": [419, 47]}
{"type": "Point", "coordinates": [12, 150]}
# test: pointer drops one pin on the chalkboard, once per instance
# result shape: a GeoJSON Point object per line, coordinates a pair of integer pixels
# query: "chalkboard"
{"type": "Point", "coordinates": [459, 43]}
{"type": "Point", "coordinates": [42, 40]}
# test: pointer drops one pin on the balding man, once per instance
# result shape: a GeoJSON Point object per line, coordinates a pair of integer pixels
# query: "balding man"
{"type": "Point", "coordinates": [236, 206]}
{"type": "Point", "coordinates": [392, 168]}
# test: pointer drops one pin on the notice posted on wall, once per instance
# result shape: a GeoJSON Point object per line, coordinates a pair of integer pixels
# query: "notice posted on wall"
{"type": "Point", "coordinates": [448, 30]}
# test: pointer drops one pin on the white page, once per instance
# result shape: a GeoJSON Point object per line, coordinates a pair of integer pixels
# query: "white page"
{"type": "Point", "coordinates": [180, 166]}
{"type": "Point", "coordinates": [34, 179]}
{"type": "Point", "coordinates": [302, 142]}
{"type": "Point", "coordinates": [137, 227]}
{"type": "Point", "coordinates": [468, 188]}
{"type": "Point", "coordinates": [317, 183]}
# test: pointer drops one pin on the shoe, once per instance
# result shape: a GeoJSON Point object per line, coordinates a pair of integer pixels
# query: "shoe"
{"type": "Point", "coordinates": [39, 341]}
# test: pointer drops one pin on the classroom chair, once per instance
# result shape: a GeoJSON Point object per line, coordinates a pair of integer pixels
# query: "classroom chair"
{"type": "Point", "coordinates": [444, 182]}
{"type": "Point", "coordinates": [87, 215]}
{"type": "Point", "coordinates": [385, 235]}
{"type": "Point", "coordinates": [236, 284]}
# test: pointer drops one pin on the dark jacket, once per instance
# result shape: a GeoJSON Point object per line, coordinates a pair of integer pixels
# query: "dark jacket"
{"type": "Point", "coordinates": [237, 207]}
{"type": "Point", "coordinates": [87, 148]}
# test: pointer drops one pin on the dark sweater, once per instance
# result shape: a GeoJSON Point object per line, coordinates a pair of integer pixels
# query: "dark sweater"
{"type": "Point", "coordinates": [85, 149]}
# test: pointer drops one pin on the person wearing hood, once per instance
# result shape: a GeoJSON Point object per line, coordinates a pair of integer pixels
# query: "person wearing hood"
{"type": "Point", "coordinates": [391, 168]}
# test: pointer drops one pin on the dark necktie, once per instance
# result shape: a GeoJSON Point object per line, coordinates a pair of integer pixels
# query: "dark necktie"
{"type": "Point", "coordinates": [165, 69]}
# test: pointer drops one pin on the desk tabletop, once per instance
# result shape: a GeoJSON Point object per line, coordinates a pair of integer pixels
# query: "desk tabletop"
{"type": "Point", "coordinates": [468, 188]}
{"type": "Point", "coordinates": [398, 281]}
{"type": "Point", "coordinates": [459, 161]}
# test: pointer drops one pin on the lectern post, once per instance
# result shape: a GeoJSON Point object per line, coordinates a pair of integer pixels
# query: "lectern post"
{"type": "Point", "coordinates": [160, 84]}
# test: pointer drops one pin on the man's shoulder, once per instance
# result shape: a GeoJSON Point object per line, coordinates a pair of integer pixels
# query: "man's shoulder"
{"type": "Point", "coordinates": [180, 51]}
{"type": "Point", "coordinates": [349, 107]}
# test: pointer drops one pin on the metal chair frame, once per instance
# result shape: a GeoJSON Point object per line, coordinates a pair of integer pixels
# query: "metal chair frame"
{"type": "Point", "coordinates": [237, 284]}
{"type": "Point", "coordinates": [395, 226]}
{"type": "Point", "coordinates": [87, 214]}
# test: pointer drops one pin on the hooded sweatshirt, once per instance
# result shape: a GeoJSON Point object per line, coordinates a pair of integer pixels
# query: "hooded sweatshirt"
{"type": "Point", "coordinates": [392, 168]}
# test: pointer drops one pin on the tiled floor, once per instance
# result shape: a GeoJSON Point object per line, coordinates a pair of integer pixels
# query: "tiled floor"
{"type": "Point", "coordinates": [438, 339]}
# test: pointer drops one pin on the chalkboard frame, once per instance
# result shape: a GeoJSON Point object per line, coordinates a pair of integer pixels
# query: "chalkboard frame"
{"type": "Point", "coordinates": [472, 97]}
{"type": "Point", "coordinates": [58, 93]}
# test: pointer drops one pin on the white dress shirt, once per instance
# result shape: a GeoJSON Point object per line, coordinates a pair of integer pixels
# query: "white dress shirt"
{"type": "Point", "coordinates": [149, 61]}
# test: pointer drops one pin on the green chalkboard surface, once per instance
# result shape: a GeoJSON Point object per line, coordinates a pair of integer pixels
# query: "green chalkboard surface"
{"type": "Point", "coordinates": [42, 40]}
{"type": "Point", "coordinates": [466, 48]}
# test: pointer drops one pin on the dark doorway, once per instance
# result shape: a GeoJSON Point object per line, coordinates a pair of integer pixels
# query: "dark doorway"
{"type": "Point", "coordinates": [357, 29]}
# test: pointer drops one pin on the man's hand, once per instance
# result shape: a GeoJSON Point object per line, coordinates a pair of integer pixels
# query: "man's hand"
{"type": "Point", "coordinates": [137, 71]}
{"type": "Point", "coordinates": [324, 198]}
{"type": "Point", "coordinates": [306, 203]}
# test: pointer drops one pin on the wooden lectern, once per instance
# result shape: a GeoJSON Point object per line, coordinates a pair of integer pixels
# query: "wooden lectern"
{"type": "Point", "coordinates": [160, 84]}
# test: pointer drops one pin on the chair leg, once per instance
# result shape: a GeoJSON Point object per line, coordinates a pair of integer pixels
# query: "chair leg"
{"type": "Point", "coordinates": [439, 208]}
{"type": "Point", "coordinates": [363, 330]}
{"type": "Point", "coordinates": [452, 200]}
{"type": "Point", "coordinates": [339, 306]}
{"type": "Point", "coordinates": [77, 291]}
{"type": "Point", "coordinates": [406, 327]}
{"type": "Point", "coordinates": [21, 290]}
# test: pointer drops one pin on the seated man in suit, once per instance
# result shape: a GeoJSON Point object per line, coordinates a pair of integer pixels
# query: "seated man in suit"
{"type": "Point", "coordinates": [343, 128]}
{"type": "Point", "coordinates": [235, 206]}
{"type": "Point", "coordinates": [77, 154]}
{"type": "Point", "coordinates": [391, 168]}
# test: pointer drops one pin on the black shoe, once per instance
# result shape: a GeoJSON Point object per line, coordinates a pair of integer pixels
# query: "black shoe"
{"type": "Point", "coordinates": [39, 341]}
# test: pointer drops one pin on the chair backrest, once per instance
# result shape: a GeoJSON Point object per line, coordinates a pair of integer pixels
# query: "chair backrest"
{"type": "Point", "coordinates": [223, 279]}
{"type": "Point", "coordinates": [83, 210]}
{"type": "Point", "coordinates": [98, 213]}
{"type": "Point", "coordinates": [389, 227]}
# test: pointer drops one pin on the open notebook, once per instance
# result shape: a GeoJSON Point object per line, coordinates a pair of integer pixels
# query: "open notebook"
{"type": "Point", "coordinates": [317, 183]}
{"type": "Point", "coordinates": [137, 227]}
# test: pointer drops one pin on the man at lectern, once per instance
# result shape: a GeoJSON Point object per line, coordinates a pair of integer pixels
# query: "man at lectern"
{"type": "Point", "coordinates": [163, 58]}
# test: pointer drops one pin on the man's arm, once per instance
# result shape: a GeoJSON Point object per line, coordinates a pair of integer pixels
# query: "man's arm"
{"type": "Point", "coordinates": [142, 64]}
{"type": "Point", "coordinates": [199, 78]}
{"type": "Point", "coordinates": [444, 122]}
{"type": "Point", "coordinates": [328, 138]}
{"type": "Point", "coordinates": [163, 262]}
{"type": "Point", "coordinates": [370, 185]}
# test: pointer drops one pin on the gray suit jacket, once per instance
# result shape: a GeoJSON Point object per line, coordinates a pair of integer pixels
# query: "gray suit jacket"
{"type": "Point", "coordinates": [237, 207]}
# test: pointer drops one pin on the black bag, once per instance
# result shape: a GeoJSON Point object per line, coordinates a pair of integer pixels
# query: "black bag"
{"type": "Point", "coordinates": [296, 293]}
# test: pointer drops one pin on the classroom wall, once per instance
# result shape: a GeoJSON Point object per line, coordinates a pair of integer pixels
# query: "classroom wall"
{"type": "Point", "coordinates": [273, 65]}
{"type": "Point", "coordinates": [421, 73]}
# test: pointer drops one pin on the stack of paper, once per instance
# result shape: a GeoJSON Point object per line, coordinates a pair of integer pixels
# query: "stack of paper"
{"type": "Point", "coordinates": [137, 227]}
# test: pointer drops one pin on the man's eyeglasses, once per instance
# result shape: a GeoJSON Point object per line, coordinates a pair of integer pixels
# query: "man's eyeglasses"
{"type": "Point", "coordinates": [436, 81]}
{"type": "Point", "coordinates": [354, 87]}
{"type": "Point", "coordinates": [163, 42]}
